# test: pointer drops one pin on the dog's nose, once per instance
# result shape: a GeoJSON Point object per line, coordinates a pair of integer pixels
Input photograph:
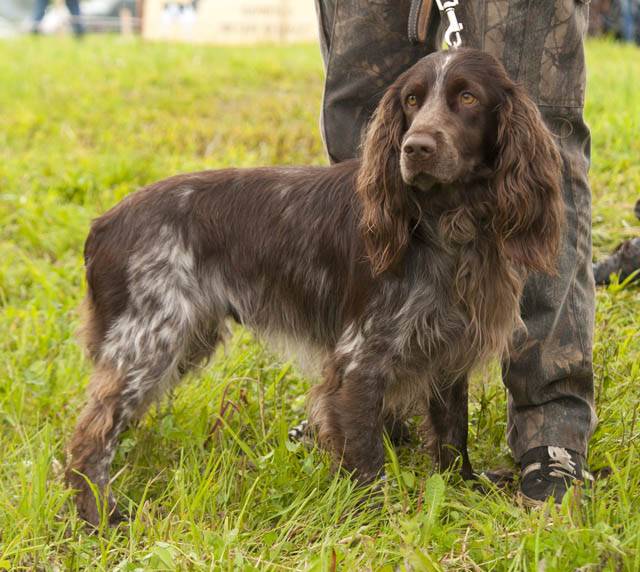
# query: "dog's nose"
{"type": "Point", "coordinates": [419, 145]}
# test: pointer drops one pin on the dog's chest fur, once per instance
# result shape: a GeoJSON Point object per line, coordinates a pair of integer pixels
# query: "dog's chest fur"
{"type": "Point", "coordinates": [452, 308]}
{"type": "Point", "coordinates": [451, 311]}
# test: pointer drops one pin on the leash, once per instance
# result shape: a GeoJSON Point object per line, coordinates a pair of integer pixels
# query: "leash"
{"type": "Point", "coordinates": [420, 16]}
{"type": "Point", "coordinates": [452, 36]}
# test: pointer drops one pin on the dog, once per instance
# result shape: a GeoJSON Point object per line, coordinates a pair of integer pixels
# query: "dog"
{"type": "Point", "coordinates": [403, 270]}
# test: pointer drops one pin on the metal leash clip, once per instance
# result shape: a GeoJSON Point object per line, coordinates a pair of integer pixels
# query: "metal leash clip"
{"type": "Point", "coordinates": [452, 35]}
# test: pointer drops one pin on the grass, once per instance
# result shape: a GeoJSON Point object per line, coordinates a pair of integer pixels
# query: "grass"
{"type": "Point", "coordinates": [82, 125]}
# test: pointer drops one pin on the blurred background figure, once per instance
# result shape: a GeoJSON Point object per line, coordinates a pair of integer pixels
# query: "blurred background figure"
{"type": "Point", "coordinates": [629, 13]}
{"type": "Point", "coordinates": [74, 9]}
{"type": "Point", "coordinates": [12, 13]}
{"type": "Point", "coordinates": [619, 18]}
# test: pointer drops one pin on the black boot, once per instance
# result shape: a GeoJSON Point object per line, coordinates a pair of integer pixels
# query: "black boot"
{"type": "Point", "coordinates": [548, 472]}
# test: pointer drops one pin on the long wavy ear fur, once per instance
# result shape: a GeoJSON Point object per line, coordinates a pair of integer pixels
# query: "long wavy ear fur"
{"type": "Point", "coordinates": [383, 194]}
{"type": "Point", "coordinates": [527, 185]}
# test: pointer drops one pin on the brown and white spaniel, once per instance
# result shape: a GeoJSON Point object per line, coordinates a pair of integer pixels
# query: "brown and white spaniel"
{"type": "Point", "coordinates": [402, 269]}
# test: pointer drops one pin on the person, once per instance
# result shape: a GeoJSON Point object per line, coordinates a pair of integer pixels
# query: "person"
{"type": "Point", "coordinates": [74, 9]}
{"type": "Point", "coordinates": [623, 261]}
{"type": "Point", "coordinates": [628, 17]}
{"type": "Point", "coordinates": [365, 46]}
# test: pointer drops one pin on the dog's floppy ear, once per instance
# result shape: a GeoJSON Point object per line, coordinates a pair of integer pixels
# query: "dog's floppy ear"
{"type": "Point", "coordinates": [527, 185]}
{"type": "Point", "coordinates": [383, 194]}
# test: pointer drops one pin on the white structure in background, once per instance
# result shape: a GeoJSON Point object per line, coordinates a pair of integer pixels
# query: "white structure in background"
{"type": "Point", "coordinates": [15, 17]}
{"type": "Point", "coordinates": [230, 21]}
{"type": "Point", "coordinates": [7, 29]}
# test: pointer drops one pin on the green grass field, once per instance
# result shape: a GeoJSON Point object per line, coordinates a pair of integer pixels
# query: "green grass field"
{"type": "Point", "coordinates": [82, 125]}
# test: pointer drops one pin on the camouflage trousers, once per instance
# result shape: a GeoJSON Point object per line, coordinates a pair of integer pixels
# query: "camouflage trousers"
{"type": "Point", "coordinates": [365, 47]}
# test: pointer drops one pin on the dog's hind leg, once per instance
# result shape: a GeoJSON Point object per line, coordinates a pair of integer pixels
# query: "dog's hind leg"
{"type": "Point", "coordinates": [142, 351]}
{"type": "Point", "coordinates": [121, 390]}
{"type": "Point", "coordinates": [92, 446]}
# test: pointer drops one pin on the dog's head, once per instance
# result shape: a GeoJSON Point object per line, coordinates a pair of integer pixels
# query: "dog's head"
{"type": "Point", "coordinates": [456, 119]}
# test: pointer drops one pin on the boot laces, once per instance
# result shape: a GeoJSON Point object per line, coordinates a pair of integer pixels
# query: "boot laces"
{"type": "Point", "coordinates": [561, 463]}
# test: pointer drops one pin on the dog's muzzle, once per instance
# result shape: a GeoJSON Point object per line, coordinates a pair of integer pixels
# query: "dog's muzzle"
{"type": "Point", "coordinates": [426, 160]}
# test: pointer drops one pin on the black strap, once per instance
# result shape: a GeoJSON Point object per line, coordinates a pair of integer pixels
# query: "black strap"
{"type": "Point", "coordinates": [419, 18]}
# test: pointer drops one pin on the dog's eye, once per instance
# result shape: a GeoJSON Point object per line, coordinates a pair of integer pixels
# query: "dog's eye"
{"type": "Point", "coordinates": [467, 98]}
{"type": "Point", "coordinates": [412, 100]}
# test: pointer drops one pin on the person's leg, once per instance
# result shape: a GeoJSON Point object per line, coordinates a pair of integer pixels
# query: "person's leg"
{"type": "Point", "coordinates": [627, 23]}
{"type": "Point", "coordinates": [76, 19]}
{"type": "Point", "coordinates": [550, 378]}
{"type": "Point", "coordinates": [38, 14]}
{"type": "Point", "coordinates": [365, 47]}
{"type": "Point", "coordinates": [550, 381]}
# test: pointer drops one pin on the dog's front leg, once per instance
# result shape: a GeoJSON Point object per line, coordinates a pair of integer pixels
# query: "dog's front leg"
{"type": "Point", "coordinates": [346, 413]}
{"type": "Point", "coordinates": [446, 427]}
